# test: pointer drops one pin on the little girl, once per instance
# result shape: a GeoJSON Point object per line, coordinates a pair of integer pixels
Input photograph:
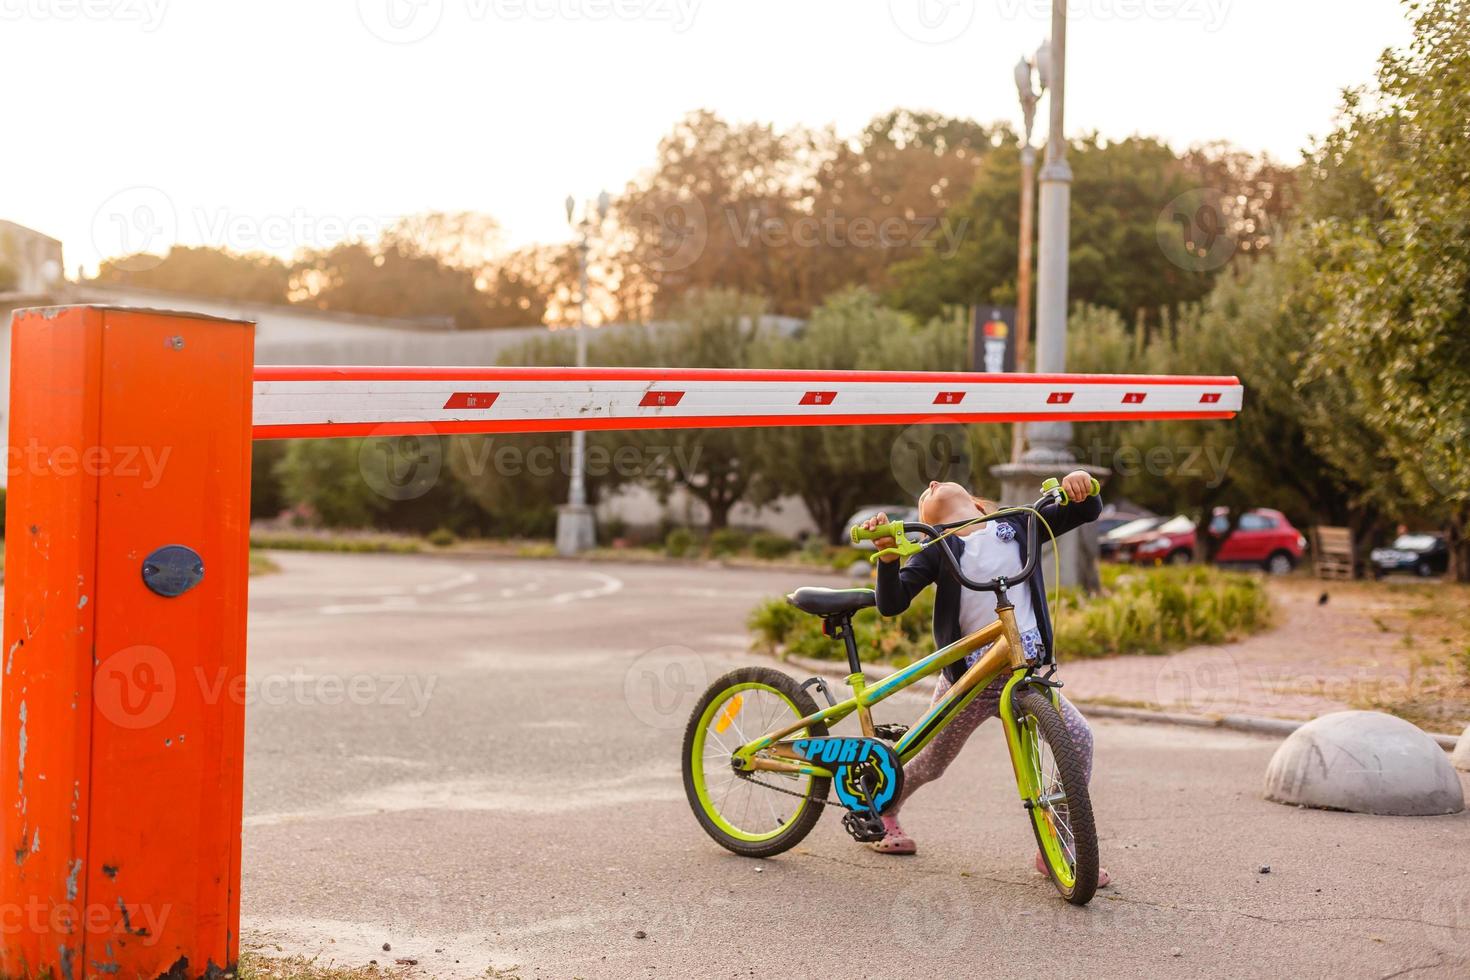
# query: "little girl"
{"type": "Point", "coordinates": [985, 551]}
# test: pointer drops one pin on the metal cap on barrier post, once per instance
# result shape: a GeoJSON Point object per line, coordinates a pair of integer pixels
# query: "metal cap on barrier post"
{"type": "Point", "coordinates": [121, 716]}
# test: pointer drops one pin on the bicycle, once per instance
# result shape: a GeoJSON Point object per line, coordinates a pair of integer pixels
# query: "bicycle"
{"type": "Point", "coordinates": [793, 762]}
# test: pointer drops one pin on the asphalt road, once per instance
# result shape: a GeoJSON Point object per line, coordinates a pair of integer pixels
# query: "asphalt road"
{"type": "Point", "coordinates": [477, 762]}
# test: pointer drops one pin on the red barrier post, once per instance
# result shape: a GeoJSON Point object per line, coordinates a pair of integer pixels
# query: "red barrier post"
{"type": "Point", "coordinates": [121, 703]}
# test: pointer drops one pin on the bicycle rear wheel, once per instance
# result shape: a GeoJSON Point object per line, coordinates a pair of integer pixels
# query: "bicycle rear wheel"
{"type": "Point", "coordinates": [757, 814]}
{"type": "Point", "coordinates": [1061, 816]}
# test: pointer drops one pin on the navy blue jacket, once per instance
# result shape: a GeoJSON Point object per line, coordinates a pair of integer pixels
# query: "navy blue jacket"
{"type": "Point", "coordinates": [897, 585]}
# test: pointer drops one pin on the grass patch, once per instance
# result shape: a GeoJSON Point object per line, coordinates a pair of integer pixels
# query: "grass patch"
{"type": "Point", "coordinates": [253, 966]}
{"type": "Point", "coordinates": [1428, 625]}
{"type": "Point", "coordinates": [262, 564]}
{"type": "Point", "coordinates": [1152, 611]}
{"type": "Point", "coordinates": [364, 543]}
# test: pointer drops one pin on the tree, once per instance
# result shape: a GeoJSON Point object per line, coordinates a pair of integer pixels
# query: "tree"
{"type": "Point", "coordinates": [715, 328]}
{"type": "Point", "coordinates": [253, 277]}
{"type": "Point", "coordinates": [1388, 247]}
{"type": "Point", "coordinates": [1149, 229]}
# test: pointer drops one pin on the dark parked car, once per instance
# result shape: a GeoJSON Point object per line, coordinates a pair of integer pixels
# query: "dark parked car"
{"type": "Point", "coordinates": [1422, 554]}
{"type": "Point", "coordinates": [1110, 541]}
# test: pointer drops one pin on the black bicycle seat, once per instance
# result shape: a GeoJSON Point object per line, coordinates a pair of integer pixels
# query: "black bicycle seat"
{"type": "Point", "coordinates": [831, 602]}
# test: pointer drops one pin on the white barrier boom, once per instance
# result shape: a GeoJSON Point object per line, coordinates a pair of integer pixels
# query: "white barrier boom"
{"type": "Point", "coordinates": [316, 402]}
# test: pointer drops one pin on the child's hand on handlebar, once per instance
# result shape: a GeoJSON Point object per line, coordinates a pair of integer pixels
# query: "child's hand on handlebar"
{"type": "Point", "coordinates": [1078, 485]}
{"type": "Point", "coordinates": [880, 543]}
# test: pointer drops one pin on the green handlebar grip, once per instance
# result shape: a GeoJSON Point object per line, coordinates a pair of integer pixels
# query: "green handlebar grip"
{"type": "Point", "coordinates": [1053, 483]}
{"type": "Point", "coordinates": [893, 529]}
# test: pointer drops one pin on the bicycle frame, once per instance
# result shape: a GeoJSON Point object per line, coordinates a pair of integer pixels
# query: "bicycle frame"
{"type": "Point", "coordinates": [1005, 653]}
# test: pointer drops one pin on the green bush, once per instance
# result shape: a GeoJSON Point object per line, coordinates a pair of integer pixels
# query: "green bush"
{"type": "Point", "coordinates": [2, 513]}
{"type": "Point", "coordinates": [779, 627]}
{"type": "Point", "coordinates": [1152, 611]}
{"type": "Point", "coordinates": [727, 541]}
{"type": "Point", "coordinates": [679, 542]}
{"type": "Point", "coordinates": [770, 546]}
{"type": "Point", "coordinates": [442, 537]}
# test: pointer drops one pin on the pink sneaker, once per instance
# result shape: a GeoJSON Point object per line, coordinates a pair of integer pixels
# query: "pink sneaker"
{"type": "Point", "coordinates": [895, 841]}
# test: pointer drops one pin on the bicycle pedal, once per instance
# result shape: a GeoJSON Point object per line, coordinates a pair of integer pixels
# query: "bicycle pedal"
{"type": "Point", "coordinates": [864, 827]}
{"type": "Point", "coordinates": [890, 733]}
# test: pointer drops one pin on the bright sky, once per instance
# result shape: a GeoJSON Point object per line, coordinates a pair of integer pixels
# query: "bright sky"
{"type": "Point", "coordinates": [282, 123]}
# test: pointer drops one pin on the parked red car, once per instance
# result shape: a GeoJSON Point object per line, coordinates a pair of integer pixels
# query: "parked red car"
{"type": "Point", "coordinates": [1261, 537]}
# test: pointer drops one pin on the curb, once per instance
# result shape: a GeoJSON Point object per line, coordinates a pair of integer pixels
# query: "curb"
{"type": "Point", "coordinates": [1252, 724]}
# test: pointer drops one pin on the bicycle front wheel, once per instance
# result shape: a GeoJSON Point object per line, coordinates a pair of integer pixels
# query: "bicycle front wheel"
{"type": "Point", "coordinates": [1061, 816]}
{"type": "Point", "coordinates": [755, 814]}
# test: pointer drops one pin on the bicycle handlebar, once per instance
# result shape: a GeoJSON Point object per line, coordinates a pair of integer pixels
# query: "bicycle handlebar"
{"type": "Point", "coordinates": [903, 547]}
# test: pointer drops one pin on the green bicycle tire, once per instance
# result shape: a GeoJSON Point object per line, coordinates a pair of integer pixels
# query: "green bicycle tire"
{"type": "Point", "coordinates": [695, 782]}
{"type": "Point", "coordinates": [1077, 882]}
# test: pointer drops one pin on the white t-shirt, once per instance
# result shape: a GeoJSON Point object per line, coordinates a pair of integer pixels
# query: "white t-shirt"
{"type": "Point", "coordinates": [987, 556]}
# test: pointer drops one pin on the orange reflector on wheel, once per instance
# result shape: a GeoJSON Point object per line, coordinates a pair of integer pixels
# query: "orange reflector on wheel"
{"type": "Point", "coordinates": [728, 715]}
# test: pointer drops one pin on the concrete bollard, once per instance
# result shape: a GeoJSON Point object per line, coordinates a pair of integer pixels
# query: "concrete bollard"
{"type": "Point", "coordinates": [1365, 762]}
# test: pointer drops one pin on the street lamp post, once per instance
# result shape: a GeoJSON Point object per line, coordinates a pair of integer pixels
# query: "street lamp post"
{"type": "Point", "coordinates": [576, 529]}
{"type": "Point", "coordinates": [1026, 70]}
{"type": "Point", "coordinates": [1047, 452]}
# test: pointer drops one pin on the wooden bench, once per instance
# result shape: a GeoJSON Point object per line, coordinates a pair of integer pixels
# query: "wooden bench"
{"type": "Point", "coordinates": [1332, 553]}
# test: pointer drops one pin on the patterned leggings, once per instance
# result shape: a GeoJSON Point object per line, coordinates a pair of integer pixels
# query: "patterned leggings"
{"type": "Point", "coordinates": [930, 763]}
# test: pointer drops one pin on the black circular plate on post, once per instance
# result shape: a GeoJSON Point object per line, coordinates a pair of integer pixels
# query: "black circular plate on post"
{"type": "Point", "coordinates": [173, 570]}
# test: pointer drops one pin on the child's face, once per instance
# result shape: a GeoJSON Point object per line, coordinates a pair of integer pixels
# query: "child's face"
{"type": "Point", "coordinates": [941, 501]}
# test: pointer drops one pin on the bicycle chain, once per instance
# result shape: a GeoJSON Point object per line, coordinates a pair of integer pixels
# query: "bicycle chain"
{"type": "Point", "coordinates": [789, 792]}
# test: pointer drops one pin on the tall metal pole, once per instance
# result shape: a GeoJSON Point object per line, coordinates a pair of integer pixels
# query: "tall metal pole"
{"type": "Point", "coordinates": [1025, 70]}
{"type": "Point", "coordinates": [1049, 440]}
{"type": "Point", "coordinates": [577, 497]}
{"type": "Point", "coordinates": [576, 529]}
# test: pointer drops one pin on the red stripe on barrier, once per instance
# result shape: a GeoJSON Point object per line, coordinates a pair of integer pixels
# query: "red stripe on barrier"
{"type": "Point", "coordinates": [818, 398]}
{"type": "Point", "coordinates": [1059, 398]}
{"type": "Point", "coordinates": [661, 399]}
{"type": "Point", "coordinates": [321, 373]}
{"type": "Point", "coordinates": [472, 399]}
{"type": "Point", "coordinates": [1134, 397]}
{"type": "Point", "coordinates": [603, 424]}
{"type": "Point", "coordinates": [1209, 398]}
{"type": "Point", "coordinates": [949, 398]}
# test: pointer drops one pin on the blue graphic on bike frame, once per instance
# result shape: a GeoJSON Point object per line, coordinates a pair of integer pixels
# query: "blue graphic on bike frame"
{"type": "Point", "coordinates": [849, 759]}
